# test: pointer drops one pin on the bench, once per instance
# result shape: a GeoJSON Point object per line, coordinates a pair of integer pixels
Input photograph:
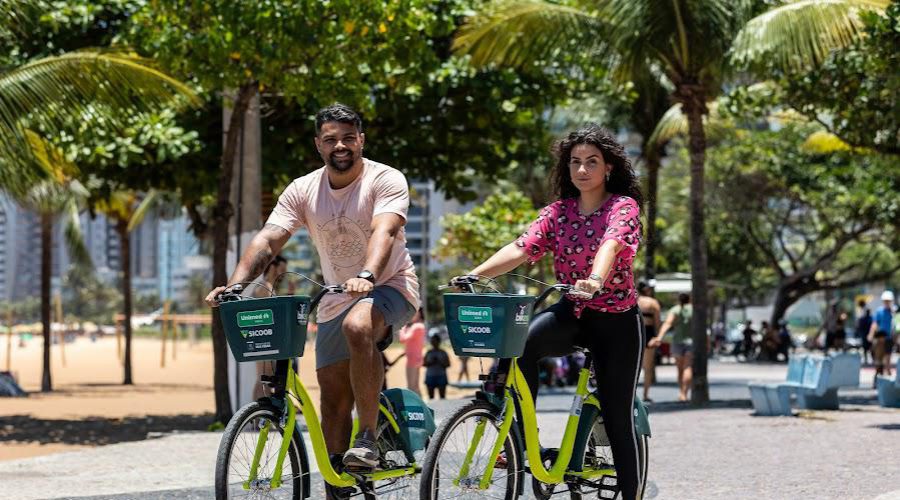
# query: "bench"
{"type": "Point", "coordinates": [775, 399]}
{"type": "Point", "coordinates": [814, 379]}
{"type": "Point", "coordinates": [889, 389]}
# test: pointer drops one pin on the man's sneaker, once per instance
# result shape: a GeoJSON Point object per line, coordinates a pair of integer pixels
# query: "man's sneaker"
{"type": "Point", "coordinates": [338, 492]}
{"type": "Point", "coordinates": [363, 454]}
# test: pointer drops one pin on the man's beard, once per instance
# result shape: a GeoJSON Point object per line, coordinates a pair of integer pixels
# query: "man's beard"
{"type": "Point", "coordinates": [341, 165]}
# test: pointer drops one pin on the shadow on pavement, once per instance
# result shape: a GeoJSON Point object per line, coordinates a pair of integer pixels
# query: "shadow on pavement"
{"type": "Point", "coordinates": [96, 431]}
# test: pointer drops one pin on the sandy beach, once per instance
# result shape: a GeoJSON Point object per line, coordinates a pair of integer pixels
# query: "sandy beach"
{"type": "Point", "coordinates": [90, 407]}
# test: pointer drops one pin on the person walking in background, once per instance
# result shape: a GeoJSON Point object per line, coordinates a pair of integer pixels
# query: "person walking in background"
{"type": "Point", "coordinates": [785, 342]}
{"type": "Point", "coordinates": [413, 337]}
{"type": "Point", "coordinates": [863, 325]}
{"type": "Point", "coordinates": [650, 310]}
{"type": "Point", "coordinates": [436, 363]}
{"type": "Point", "coordinates": [747, 345]}
{"type": "Point", "coordinates": [679, 321]}
{"type": "Point", "coordinates": [835, 323]}
{"type": "Point", "coordinates": [463, 369]}
{"type": "Point", "coordinates": [880, 335]}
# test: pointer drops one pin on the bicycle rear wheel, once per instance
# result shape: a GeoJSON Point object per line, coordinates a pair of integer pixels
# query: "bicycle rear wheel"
{"type": "Point", "coordinates": [444, 474]}
{"type": "Point", "coordinates": [237, 449]}
{"type": "Point", "coordinates": [598, 455]}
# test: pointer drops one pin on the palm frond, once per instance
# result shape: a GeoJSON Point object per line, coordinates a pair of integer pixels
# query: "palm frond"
{"type": "Point", "coordinates": [35, 93]}
{"type": "Point", "coordinates": [74, 237]}
{"type": "Point", "coordinates": [801, 33]}
{"type": "Point", "coordinates": [149, 201]}
{"type": "Point", "coordinates": [674, 123]}
{"type": "Point", "coordinates": [520, 32]}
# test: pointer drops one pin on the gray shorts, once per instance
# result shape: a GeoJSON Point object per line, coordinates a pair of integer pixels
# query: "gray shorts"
{"type": "Point", "coordinates": [331, 345]}
{"type": "Point", "coordinates": [682, 348]}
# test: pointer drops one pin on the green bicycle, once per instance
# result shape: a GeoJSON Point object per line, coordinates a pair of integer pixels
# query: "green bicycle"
{"type": "Point", "coordinates": [480, 450]}
{"type": "Point", "coordinates": [263, 454]}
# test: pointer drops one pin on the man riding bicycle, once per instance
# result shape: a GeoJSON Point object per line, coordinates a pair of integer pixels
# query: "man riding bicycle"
{"type": "Point", "coordinates": [355, 210]}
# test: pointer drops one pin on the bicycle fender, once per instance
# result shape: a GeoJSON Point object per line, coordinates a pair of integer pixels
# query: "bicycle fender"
{"type": "Point", "coordinates": [585, 423]}
{"type": "Point", "coordinates": [641, 418]}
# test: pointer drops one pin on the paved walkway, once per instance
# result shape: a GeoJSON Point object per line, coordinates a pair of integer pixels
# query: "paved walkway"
{"type": "Point", "coordinates": [721, 452]}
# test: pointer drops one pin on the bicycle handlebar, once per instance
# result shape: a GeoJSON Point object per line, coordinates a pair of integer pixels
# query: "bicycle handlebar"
{"type": "Point", "coordinates": [466, 284]}
{"type": "Point", "coordinates": [233, 293]}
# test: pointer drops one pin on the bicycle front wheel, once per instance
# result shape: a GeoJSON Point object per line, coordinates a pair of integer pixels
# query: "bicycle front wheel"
{"type": "Point", "coordinates": [241, 442]}
{"type": "Point", "coordinates": [461, 452]}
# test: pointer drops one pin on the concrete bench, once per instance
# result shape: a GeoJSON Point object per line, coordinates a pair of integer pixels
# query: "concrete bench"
{"type": "Point", "coordinates": [815, 381]}
{"type": "Point", "coordinates": [775, 399]}
{"type": "Point", "coordinates": [889, 389]}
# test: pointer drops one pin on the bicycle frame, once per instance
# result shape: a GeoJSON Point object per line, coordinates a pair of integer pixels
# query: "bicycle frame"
{"type": "Point", "coordinates": [517, 387]}
{"type": "Point", "coordinates": [296, 392]}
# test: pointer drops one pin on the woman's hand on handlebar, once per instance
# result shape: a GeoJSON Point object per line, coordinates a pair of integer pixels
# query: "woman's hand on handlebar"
{"type": "Point", "coordinates": [586, 289]}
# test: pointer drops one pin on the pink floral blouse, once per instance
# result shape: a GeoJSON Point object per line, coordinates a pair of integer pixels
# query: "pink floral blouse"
{"type": "Point", "coordinates": [574, 240]}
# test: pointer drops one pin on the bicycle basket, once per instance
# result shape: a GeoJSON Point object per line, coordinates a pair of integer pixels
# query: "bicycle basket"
{"type": "Point", "coordinates": [488, 325]}
{"type": "Point", "coordinates": [270, 328]}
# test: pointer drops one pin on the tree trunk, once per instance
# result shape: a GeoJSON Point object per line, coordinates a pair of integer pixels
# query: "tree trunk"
{"type": "Point", "coordinates": [694, 105]}
{"type": "Point", "coordinates": [220, 221]}
{"type": "Point", "coordinates": [125, 244]}
{"type": "Point", "coordinates": [653, 164]}
{"type": "Point", "coordinates": [46, 256]}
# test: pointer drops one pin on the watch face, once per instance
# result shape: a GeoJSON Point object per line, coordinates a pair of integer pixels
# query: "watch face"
{"type": "Point", "coordinates": [366, 275]}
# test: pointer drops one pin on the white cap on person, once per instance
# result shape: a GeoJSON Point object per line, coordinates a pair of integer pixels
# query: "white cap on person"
{"type": "Point", "coordinates": [887, 295]}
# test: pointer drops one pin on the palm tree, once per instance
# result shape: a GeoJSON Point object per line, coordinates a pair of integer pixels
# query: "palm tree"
{"type": "Point", "coordinates": [128, 210]}
{"type": "Point", "coordinates": [59, 195]}
{"type": "Point", "coordinates": [685, 43]}
{"type": "Point", "coordinates": [801, 34]}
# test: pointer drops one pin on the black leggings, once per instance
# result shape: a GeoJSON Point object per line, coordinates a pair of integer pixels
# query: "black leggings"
{"type": "Point", "coordinates": [616, 343]}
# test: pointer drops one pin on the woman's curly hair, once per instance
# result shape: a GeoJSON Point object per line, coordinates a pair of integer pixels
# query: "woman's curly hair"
{"type": "Point", "coordinates": [622, 179]}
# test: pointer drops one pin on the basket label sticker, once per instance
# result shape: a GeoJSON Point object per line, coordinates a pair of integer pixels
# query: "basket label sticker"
{"type": "Point", "coordinates": [466, 329]}
{"type": "Point", "coordinates": [302, 313]}
{"type": "Point", "coordinates": [262, 332]}
{"type": "Point", "coordinates": [522, 314]}
{"type": "Point", "coordinates": [255, 318]}
{"type": "Point", "coordinates": [470, 314]}
{"type": "Point", "coordinates": [414, 416]}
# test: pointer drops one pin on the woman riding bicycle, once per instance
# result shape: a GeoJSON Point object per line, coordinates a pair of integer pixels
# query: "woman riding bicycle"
{"type": "Point", "coordinates": [593, 231]}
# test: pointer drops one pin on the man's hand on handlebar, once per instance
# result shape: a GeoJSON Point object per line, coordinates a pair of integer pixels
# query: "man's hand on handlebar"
{"type": "Point", "coordinates": [214, 297]}
{"type": "Point", "coordinates": [358, 287]}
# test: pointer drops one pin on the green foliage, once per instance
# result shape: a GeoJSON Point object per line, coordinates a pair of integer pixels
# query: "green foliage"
{"type": "Point", "coordinates": [478, 234]}
{"type": "Point", "coordinates": [87, 298]}
{"type": "Point", "coordinates": [854, 92]}
{"type": "Point", "coordinates": [832, 217]}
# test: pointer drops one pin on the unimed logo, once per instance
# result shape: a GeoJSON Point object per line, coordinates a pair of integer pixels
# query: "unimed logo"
{"type": "Point", "coordinates": [470, 314]}
{"type": "Point", "coordinates": [255, 318]}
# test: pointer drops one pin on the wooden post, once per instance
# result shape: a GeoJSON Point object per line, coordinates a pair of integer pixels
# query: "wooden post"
{"type": "Point", "coordinates": [165, 328]}
{"type": "Point", "coordinates": [9, 329]}
{"type": "Point", "coordinates": [176, 330]}
{"type": "Point", "coordinates": [62, 334]}
{"type": "Point", "coordinates": [118, 337]}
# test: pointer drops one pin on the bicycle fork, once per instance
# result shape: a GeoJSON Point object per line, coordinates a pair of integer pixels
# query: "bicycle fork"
{"type": "Point", "coordinates": [288, 435]}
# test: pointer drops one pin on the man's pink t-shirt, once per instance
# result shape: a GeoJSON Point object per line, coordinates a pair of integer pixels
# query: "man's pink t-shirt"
{"type": "Point", "coordinates": [413, 337]}
{"type": "Point", "coordinates": [574, 240]}
{"type": "Point", "coordinates": [339, 222]}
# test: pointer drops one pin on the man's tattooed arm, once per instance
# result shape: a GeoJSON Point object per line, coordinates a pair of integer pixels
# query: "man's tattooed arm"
{"type": "Point", "coordinates": [262, 249]}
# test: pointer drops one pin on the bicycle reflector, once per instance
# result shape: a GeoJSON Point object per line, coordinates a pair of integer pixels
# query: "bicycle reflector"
{"type": "Point", "coordinates": [488, 325]}
{"type": "Point", "coordinates": [270, 328]}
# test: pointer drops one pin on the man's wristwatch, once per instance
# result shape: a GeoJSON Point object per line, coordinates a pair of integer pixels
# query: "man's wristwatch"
{"type": "Point", "coordinates": [595, 277]}
{"type": "Point", "coordinates": [366, 275]}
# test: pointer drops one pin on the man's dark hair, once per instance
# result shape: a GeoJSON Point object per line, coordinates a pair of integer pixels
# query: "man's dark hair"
{"type": "Point", "coordinates": [340, 113]}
